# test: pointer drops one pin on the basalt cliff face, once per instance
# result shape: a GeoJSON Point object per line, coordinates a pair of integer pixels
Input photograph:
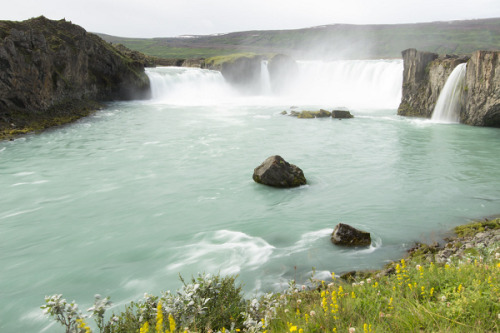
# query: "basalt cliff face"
{"type": "Point", "coordinates": [241, 71]}
{"type": "Point", "coordinates": [482, 102]}
{"type": "Point", "coordinates": [425, 74]}
{"type": "Point", "coordinates": [53, 72]}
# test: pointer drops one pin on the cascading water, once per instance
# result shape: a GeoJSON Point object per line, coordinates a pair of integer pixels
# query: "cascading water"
{"type": "Point", "coordinates": [192, 86]}
{"type": "Point", "coordinates": [365, 84]}
{"type": "Point", "coordinates": [359, 84]}
{"type": "Point", "coordinates": [447, 109]}
{"type": "Point", "coordinates": [265, 78]}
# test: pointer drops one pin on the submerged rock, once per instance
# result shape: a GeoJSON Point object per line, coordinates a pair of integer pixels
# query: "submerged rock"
{"type": "Point", "coordinates": [277, 172]}
{"type": "Point", "coordinates": [346, 235]}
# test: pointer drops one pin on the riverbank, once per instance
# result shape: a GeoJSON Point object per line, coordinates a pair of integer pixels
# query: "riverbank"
{"type": "Point", "coordinates": [448, 288]}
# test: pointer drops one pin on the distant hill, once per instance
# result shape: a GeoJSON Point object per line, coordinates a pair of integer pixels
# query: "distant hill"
{"type": "Point", "coordinates": [331, 41]}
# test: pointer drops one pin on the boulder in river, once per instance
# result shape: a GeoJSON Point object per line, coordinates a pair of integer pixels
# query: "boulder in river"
{"type": "Point", "coordinates": [344, 234]}
{"type": "Point", "coordinates": [341, 114]}
{"type": "Point", "coordinates": [277, 172]}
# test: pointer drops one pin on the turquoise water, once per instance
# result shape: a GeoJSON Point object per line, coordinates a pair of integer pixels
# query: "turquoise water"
{"type": "Point", "coordinates": [121, 202]}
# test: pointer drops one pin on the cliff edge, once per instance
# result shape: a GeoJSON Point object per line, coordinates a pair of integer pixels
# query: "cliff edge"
{"type": "Point", "coordinates": [52, 72]}
{"type": "Point", "coordinates": [425, 74]}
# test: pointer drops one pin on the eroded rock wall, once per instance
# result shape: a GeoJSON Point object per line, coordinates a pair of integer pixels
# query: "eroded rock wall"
{"type": "Point", "coordinates": [425, 75]}
{"type": "Point", "coordinates": [56, 70]}
{"type": "Point", "coordinates": [482, 85]}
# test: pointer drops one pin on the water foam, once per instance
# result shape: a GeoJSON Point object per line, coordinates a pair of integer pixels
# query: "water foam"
{"type": "Point", "coordinates": [225, 251]}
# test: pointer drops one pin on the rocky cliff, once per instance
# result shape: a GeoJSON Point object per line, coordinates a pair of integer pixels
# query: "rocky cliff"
{"type": "Point", "coordinates": [52, 72]}
{"type": "Point", "coordinates": [243, 71]}
{"type": "Point", "coordinates": [482, 84]}
{"type": "Point", "coordinates": [425, 74]}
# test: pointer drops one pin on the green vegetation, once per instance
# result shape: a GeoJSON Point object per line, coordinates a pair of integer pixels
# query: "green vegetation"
{"type": "Point", "coordinates": [230, 58]}
{"type": "Point", "coordinates": [331, 41]}
{"type": "Point", "coordinates": [418, 295]}
{"type": "Point", "coordinates": [477, 226]}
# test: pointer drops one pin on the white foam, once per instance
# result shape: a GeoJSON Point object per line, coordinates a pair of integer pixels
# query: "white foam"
{"type": "Point", "coordinates": [225, 251]}
{"type": "Point", "coordinates": [19, 213]}
{"type": "Point", "coordinates": [306, 241]}
{"type": "Point", "coordinates": [25, 173]}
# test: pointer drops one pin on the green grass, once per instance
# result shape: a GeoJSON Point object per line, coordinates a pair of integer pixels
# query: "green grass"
{"type": "Point", "coordinates": [353, 41]}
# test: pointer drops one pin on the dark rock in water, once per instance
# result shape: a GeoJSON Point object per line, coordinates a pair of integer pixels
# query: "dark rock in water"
{"type": "Point", "coordinates": [306, 115]}
{"type": "Point", "coordinates": [277, 172]}
{"type": "Point", "coordinates": [341, 114]}
{"type": "Point", "coordinates": [346, 235]}
{"type": "Point", "coordinates": [311, 114]}
{"type": "Point", "coordinates": [284, 112]}
{"type": "Point", "coordinates": [322, 114]}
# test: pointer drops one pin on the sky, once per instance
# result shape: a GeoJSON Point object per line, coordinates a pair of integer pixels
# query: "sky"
{"type": "Point", "coordinates": [167, 18]}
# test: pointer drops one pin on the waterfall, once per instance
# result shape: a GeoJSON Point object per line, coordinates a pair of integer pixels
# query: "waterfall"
{"type": "Point", "coordinates": [447, 109]}
{"type": "Point", "coordinates": [265, 79]}
{"type": "Point", "coordinates": [366, 84]}
{"type": "Point", "coordinates": [355, 84]}
{"type": "Point", "coordinates": [192, 86]}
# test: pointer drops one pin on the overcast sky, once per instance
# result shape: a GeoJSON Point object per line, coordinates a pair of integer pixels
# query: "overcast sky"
{"type": "Point", "coordinates": [166, 18]}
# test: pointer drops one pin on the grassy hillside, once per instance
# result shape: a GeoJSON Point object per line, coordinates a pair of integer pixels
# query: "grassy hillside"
{"type": "Point", "coordinates": [331, 41]}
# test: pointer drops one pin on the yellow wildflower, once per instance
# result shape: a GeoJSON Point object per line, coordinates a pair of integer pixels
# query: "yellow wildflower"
{"type": "Point", "coordinates": [144, 328]}
{"type": "Point", "coordinates": [171, 322]}
{"type": "Point", "coordinates": [159, 318]}
{"type": "Point", "coordinates": [83, 325]}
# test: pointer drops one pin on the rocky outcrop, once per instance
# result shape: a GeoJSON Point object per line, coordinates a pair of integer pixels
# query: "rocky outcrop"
{"type": "Point", "coordinates": [54, 71]}
{"type": "Point", "coordinates": [482, 95]}
{"type": "Point", "coordinates": [425, 75]}
{"type": "Point", "coordinates": [345, 235]}
{"type": "Point", "coordinates": [277, 172]}
{"type": "Point", "coordinates": [242, 71]}
{"type": "Point", "coordinates": [338, 114]}
{"type": "Point", "coordinates": [341, 114]}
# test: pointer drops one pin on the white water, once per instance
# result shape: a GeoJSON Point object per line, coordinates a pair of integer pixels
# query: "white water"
{"type": "Point", "coordinates": [265, 79]}
{"type": "Point", "coordinates": [122, 202]}
{"type": "Point", "coordinates": [447, 109]}
{"type": "Point", "coordinates": [355, 84]}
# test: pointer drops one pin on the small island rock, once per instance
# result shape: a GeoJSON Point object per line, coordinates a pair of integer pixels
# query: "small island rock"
{"type": "Point", "coordinates": [346, 235]}
{"type": "Point", "coordinates": [341, 114]}
{"type": "Point", "coordinates": [277, 172]}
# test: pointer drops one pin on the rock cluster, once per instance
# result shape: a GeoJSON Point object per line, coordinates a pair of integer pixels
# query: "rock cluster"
{"type": "Point", "coordinates": [458, 246]}
{"type": "Point", "coordinates": [277, 172]}
{"type": "Point", "coordinates": [337, 114]}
